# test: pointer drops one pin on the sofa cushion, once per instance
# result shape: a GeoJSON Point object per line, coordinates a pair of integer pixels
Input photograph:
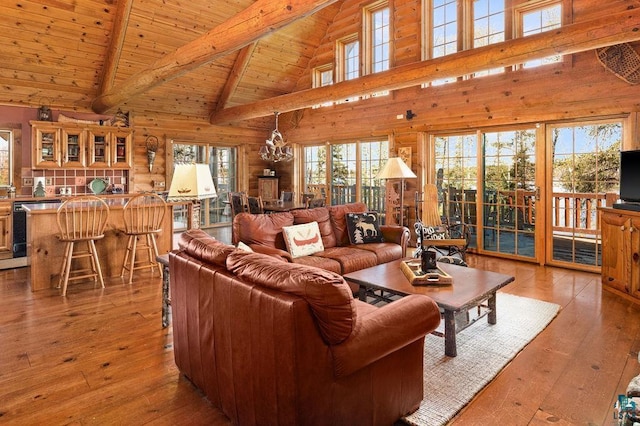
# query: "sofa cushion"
{"type": "Point", "coordinates": [262, 229]}
{"type": "Point", "coordinates": [327, 293]}
{"type": "Point", "coordinates": [303, 239]}
{"type": "Point", "coordinates": [199, 244]}
{"type": "Point", "coordinates": [320, 215]}
{"type": "Point", "coordinates": [339, 222]}
{"type": "Point", "coordinates": [350, 258]}
{"type": "Point", "coordinates": [385, 252]}
{"type": "Point", "coordinates": [364, 228]}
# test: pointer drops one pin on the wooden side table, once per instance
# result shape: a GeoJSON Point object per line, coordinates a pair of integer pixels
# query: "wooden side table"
{"type": "Point", "coordinates": [166, 300]}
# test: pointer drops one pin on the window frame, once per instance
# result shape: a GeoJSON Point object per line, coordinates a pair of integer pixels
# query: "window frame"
{"type": "Point", "coordinates": [9, 158]}
{"type": "Point", "coordinates": [521, 10]}
{"type": "Point", "coordinates": [368, 29]}
{"type": "Point", "coordinates": [465, 28]}
{"type": "Point", "coordinates": [359, 162]}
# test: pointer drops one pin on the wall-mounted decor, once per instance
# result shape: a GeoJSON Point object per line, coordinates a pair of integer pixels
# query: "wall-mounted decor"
{"type": "Point", "coordinates": [152, 146]}
{"type": "Point", "coordinates": [405, 154]}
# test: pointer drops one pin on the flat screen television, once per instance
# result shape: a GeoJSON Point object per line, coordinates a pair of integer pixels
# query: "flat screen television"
{"type": "Point", "coordinates": [630, 176]}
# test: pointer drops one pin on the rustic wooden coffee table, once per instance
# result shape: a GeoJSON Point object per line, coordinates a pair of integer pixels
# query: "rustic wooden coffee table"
{"type": "Point", "coordinates": [471, 288]}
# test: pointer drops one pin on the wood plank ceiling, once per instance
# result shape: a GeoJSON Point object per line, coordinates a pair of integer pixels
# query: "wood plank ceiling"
{"type": "Point", "coordinates": [216, 61]}
{"type": "Point", "coordinates": [60, 52]}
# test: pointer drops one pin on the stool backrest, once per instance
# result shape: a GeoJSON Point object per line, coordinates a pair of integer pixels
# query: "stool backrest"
{"type": "Point", "coordinates": [144, 214]}
{"type": "Point", "coordinates": [83, 217]}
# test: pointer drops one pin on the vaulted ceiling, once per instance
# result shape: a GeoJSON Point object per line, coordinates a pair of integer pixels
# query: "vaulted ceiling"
{"type": "Point", "coordinates": [214, 60]}
{"type": "Point", "coordinates": [67, 53]}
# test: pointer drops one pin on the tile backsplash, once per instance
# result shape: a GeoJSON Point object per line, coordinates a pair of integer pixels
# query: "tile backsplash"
{"type": "Point", "coordinates": [74, 181]}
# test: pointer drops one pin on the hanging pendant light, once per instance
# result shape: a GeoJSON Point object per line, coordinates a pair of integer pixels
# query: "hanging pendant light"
{"type": "Point", "coordinates": [275, 148]}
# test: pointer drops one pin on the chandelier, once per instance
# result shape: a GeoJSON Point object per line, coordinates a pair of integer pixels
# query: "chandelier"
{"type": "Point", "coordinates": [276, 148]}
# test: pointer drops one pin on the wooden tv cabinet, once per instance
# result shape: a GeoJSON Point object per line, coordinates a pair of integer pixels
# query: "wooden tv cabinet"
{"type": "Point", "coordinates": [621, 251]}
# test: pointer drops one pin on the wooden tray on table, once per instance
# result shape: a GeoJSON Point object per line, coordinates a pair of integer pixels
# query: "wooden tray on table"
{"type": "Point", "coordinates": [436, 277]}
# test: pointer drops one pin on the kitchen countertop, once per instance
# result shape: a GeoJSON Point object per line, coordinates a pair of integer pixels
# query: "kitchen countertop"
{"type": "Point", "coordinates": [113, 203]}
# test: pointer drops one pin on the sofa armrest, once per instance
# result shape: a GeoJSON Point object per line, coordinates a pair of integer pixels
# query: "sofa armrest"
{"type": "Point", "coordinates": [396, 234]}
{"type": "Point", "coordinates": [385, 330]}
{"type": "Point", "coordinates": [272, 251]}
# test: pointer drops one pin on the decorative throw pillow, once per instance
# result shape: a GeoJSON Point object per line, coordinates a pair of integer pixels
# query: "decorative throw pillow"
{"type": "Point", "coordinates": [243, 246]}
{"type": "Point", "coordinates": [303, 240]}
{"type": "Point", "coordinates": [434, 233]}
{"type": "Point", "coordinates": [363, 228]}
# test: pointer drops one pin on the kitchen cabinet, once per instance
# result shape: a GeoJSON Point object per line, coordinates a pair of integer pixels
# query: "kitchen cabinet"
{"type": "Point", "coordinates": [6, 238]}
{"type": "Point", "coordinates": [99, 153]}
{"type": "Point", "coordinates": [75, 145]}
{"type": "Point", "coordinates": [620, 230]}
{"type": "Point", "coordinates": [46, 146]}
{"type": "Point", "coordinates": [121, 149]}
{"type": "Point", "coordinates": [73, 148]}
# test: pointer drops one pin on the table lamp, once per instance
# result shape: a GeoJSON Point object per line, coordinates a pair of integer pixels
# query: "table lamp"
{"type": "Point", "coordinates": [397, 169]}
{"type": "Point", "coordinates": [192, 182]}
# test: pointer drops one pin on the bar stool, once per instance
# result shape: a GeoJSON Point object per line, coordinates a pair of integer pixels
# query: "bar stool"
{"type": "Point", "coordinates": [81, 220]}
{"type": "Point", "coordinates": [143, 216]}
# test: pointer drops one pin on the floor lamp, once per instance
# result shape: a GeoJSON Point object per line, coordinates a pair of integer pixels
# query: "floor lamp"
{"type": "Point", "coordinates": [397, 169]}
{"type": "Point", "coordinates": [192, 182]}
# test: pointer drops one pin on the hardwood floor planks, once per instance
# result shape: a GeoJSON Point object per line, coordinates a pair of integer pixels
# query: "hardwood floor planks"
{"type": "Point", "coordinates": [101, 356]}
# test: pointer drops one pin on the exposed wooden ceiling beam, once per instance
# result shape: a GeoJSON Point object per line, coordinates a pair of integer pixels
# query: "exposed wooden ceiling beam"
{"type": "Point", "coordinates": [573, 38]}
{"type": "Point", "coordinates": [118, 32]}
{"type": "Point", "coordinates": [258, 20]}
{"type": "Point", "coordinates": [239, 67]}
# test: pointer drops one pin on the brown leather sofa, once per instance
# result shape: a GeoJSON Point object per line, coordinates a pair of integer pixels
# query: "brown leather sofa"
{"type": "Point", "coordinates": [277, 343]}
{"type": "Point", "coordinates": [263, 233]}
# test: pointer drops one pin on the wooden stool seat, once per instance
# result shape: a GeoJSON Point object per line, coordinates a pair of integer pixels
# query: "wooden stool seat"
{"type": "Point", "coordinates": [81, 220]}
{"type": "Point", "coordinates": [143, 216]}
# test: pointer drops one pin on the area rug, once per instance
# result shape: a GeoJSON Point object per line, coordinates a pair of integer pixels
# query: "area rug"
{"type": "Point", "coordinates": [483, 351]}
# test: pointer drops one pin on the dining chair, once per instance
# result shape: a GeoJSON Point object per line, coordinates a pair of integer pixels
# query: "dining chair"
{"type": "Point", "coordinates": [143, 216]}
{"type": "Point", "coordinates": [255, 205]}
{"type": "Point", "coordinates": [286, 196]}
{"type": "Point", "coordinates": [81, 220]}
{"type": "Point", "coordinates": [315, 202]}
{"type": "Point", "coordinates": [306, 196]}
{"type": "Point", "coordinates": [238, 203]}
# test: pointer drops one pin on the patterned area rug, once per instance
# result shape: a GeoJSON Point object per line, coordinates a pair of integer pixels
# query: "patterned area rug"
{"type": "Point", "coordinates": [483, 351]}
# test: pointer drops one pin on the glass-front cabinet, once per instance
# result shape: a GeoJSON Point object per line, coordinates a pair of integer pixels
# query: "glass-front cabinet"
{"type": "Point", "coordinates": [46, 146]}
{"type": "Point", "coordinates": [73, 145]}
{"type": "Point", "coordinates": [99, 153]}
{"type": "Point", "coordinates": [73, 148]}
{"type": "Point", "coordinates": [121, 155]}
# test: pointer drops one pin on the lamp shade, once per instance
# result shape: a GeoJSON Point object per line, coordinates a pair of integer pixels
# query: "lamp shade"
{"type": "Point", "coordinates": [395, 169]}
{"type": "Point", "coordinates": [191, 182]}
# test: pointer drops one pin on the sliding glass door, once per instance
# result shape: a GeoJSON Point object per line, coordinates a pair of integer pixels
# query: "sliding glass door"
{"type": "Point", "coordinates": [509, 192]}
{"type": "Point", "coordinates": [585, 162]}
{"type": "Point", "coordinates": [532, 193]}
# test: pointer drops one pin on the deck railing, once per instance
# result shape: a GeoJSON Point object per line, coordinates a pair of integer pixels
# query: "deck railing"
{"type": "Point", "coordinates": [572, 212]}
{"type": "Point", "coordinates": [578, 211]}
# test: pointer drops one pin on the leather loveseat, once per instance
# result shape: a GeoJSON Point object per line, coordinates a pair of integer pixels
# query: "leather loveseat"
{"type": "Point", "coordinates": [264, 234]}
{"type": "Point", "coordinates": [276, 343]}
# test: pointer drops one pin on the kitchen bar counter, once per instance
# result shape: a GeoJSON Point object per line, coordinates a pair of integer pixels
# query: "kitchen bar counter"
{"type": "Point", "coordinates": [45, 251]}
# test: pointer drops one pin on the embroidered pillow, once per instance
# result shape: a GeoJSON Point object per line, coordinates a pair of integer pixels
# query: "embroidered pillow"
{"type": "Point", "coordinates": [363, 228]}
{"type": "Point", "coordinates": [434, 233]}
{"type": "Point", "coordinates": [303, 240]}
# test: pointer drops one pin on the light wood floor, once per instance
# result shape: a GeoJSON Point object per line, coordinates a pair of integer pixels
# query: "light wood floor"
{"type": "Point", "coordinates": [101, 357]}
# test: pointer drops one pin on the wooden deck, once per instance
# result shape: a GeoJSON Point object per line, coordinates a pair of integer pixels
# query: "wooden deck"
{"type": "Point", "coordinates": [101, 356]}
